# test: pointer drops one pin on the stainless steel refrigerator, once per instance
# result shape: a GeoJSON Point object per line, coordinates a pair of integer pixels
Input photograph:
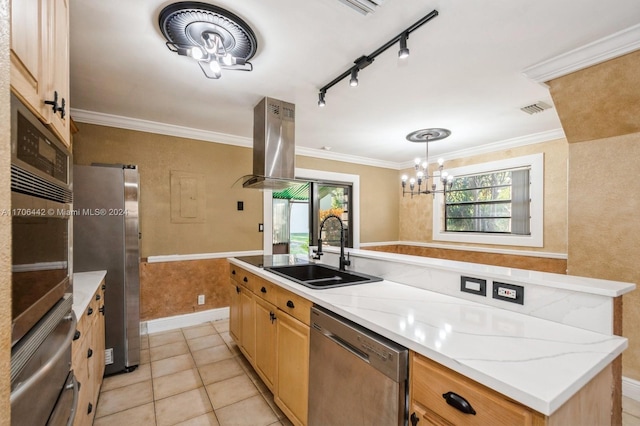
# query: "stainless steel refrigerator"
{"type": "Point", "coordinates": [106, 237]}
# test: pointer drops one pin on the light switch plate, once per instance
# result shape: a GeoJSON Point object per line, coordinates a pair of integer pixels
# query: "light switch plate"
{"type": "Point", "coordinates": [473, 285]}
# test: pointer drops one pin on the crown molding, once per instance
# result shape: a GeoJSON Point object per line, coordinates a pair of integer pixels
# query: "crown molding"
{"type": "Point", "coordinates": [534, 138]}
{"type": "Point", "coordinates": [109, 120]}
{"type": "Point", "coordinates": [604, 49]}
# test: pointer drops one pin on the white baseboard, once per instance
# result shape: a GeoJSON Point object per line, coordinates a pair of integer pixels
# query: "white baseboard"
{"type": "Point", "coordinates": [631, 388]}
{"type": "Point", "coordinates": [186, 320]}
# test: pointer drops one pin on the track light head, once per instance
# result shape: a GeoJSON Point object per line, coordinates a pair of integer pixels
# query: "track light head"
{"type": "Point", "coordinates": [353, 82]}
{"type": "Point", "coordinates": [321, 101]}
{"type": "Point", "coordinates": [404, 51]}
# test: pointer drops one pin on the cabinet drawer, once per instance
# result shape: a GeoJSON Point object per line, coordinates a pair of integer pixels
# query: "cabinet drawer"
{"type": "Point", "coordinates": [243, 277]}
{"type": "Point", "coordinates": [296, 306]}
{"type": "Point", "coordinates": [267, 291]}
{"type": "Point", "coordinates": [430, 381]}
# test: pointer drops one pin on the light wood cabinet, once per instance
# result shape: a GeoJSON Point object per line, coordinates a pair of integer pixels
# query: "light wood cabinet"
{"type": "Point", "coordinates": [87, 359]}
{"type": "Point", "coordinates": [271, 327]}
{"type": "Point", "coordinates": [430, 382]}
{"type": "Point", "coordinates": [265, 356]}
{"type": "Point", "coordinates": [40, 60]}
{"type": "Point", "coordinates": [292, 382]}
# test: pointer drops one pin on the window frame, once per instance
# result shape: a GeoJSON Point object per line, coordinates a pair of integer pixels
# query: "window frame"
{"type": "Point", "coordinates": [536, 207]}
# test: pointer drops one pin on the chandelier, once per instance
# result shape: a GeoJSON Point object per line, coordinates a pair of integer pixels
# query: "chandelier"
{"type": "Point", "coordinates": [422, 175]}
{"type": "Point", "coordinates": [214, 37]}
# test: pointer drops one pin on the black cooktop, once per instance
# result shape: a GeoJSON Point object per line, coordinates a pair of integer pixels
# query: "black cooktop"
{"type": "Point", "coordinates": [274, 260]}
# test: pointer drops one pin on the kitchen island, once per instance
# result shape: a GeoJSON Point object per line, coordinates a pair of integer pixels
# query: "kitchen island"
{"type": "Point", "coordinates": [540, 354]}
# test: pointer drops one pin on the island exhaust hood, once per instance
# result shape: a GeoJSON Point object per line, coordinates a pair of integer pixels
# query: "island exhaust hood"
{"type": "Point", "coordinates": [274, 152]}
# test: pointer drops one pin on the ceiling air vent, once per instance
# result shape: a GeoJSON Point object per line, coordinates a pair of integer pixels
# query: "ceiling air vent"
{"type": "Point", "coordinates": [363, 6]}
{"type": "Point", "coordinates": [534, 108]}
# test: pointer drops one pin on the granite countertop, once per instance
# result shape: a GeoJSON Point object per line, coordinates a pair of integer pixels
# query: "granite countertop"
{"type": "Point", "coordinates": [85, 285]}
{"type": "Point", "coordinates": [537, 362]}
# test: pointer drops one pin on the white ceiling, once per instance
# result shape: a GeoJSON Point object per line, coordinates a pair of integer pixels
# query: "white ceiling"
{"type": "Point", "coordinates": [464, 72]}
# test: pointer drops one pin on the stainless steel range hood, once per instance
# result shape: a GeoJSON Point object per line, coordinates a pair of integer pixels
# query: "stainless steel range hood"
{"type": "Point", "coordinates": [274, 152]}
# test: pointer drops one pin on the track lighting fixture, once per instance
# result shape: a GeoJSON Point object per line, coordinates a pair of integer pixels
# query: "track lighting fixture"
{"type": "Point", "coordinates": [366, 60]}
{"type": "Point", "coordinates": [321, 102]}
{"type": "Point", "coordinates": [404, 51]}
{"type": "Point", "coordinates": [354, 77]}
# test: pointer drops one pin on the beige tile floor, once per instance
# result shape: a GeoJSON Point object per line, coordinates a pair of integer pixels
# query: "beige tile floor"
{"type": "Point", "coordinates": [190, 376]}
{"type": "Point", "coordinates": [197, 376]}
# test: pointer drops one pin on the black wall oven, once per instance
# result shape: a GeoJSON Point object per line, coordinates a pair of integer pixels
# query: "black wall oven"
{"type": "Point", "coordinates": [43, 388]}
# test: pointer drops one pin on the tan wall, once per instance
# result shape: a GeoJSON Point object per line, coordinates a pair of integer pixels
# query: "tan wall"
{"type": "Point", "coordinates": [225, 228]}
{"type": "Point", "coordinates": [5, 220]}
{"type": "Point", "coordinates": [604, 229]}
{"type": "Point", "coordinates": [379, 193]}
{"type": "Point", "coordinates": [416, 215]}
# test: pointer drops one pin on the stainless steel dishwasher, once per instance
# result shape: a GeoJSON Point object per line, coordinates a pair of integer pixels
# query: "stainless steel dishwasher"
{"type": "Point", "coordinates": [356, 377]}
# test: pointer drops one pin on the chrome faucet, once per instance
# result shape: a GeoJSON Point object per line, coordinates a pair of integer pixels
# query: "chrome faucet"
{"type": "Point", "coordinates": [343, 261]}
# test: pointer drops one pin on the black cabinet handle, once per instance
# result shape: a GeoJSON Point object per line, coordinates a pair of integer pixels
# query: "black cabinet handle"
{"type": "Point", "coordinates": [89, 353]}
{"type": "Point", "coordinates": [89, 408]}
{"type": "Point", "coordinates": [54, 105]}
{"type": "Point", "coordinates": [76, 336]}
{"type": "Point", "coordinates": [263, 290]}
{"type": "Point", "coordinates": [233, 272]}
{"type": "Point", "coordinates": [61, 109]}
{"type": "Point", "coordinates": [272, 316]}
{"type": "Point", "coordinates": [237, 289]}
{"type": "Point", "coordinates": [101, 309]}
{"type": "Point", "coordinates": [458, 402]}
{"type": "Point", "coordinates": [414, 419]}
{"type": "Point", "coordinates": [104, 286]}
{"type": "Point", "coordinates": [98, 297]}
{"type": "Point", "coordinates": [290, 304]}
{"type": "Point", "coordinates": [245, 279]}
{"type": "Point", "coordinates": [89, 311]}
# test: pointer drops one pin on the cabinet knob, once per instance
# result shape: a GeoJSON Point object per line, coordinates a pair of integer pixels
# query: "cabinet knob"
{"type": "Point", "coordinates": [89, 353]}
{"type": "Point", "coordinates": [89, 408]}
{"type": "Point", "coordinates": [76, 335]}
{"type": "Point", "coordinates": [104, 287]}
{"type": "Point", "coordinates": [263, 290]}
{"type": "Point", "coordinates": [89, 311]}
{"type": "Point", "coordinates": [290, 304]}
{"type": "Point", "coordinates": [233, 272]}
{"type": "Point", "coordinates": [458, 402]}
{"type": "Point", "coordinates": [98, 297]}
{"type": "Point", "coordinates": [245, 279]}
{"type": "Point", "coordinates": [414, 419]}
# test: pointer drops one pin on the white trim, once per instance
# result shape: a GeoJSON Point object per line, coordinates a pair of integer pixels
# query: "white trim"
{"type": "Point", "coordinates": [121, 122]}
{"type": "Point", "coordinates": [546, 255]}
{"type": "Point", "coordinates": [109, 120]}
{"type": "Point", "coordinates": [631, 388]}
{"type": "Point", "coordinates": [604, 49]}
{"type": "Point", "coordinates": [536, 239]}
{"type": "Point", "coordinates": [201, 256]}
{"type": "Point", "coordinates": [186, 320]}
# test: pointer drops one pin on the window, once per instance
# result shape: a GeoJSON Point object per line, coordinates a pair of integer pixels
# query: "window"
{"type": "Point", "coordinates": [493, 203]}
{"type": "Point", "coordinates": [496, 202]}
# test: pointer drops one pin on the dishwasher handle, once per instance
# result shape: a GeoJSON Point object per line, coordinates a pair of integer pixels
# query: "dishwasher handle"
{"type": "Point", "coordinates": [347, 346]}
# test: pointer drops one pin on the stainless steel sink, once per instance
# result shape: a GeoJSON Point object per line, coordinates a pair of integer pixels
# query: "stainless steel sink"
{"type": "Point", "coordinates": [321, 276]}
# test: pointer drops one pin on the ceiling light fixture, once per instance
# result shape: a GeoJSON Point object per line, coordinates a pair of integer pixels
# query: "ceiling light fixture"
{"type": "Point", "coordinates": [321, 101]}
{"type": "Point", "coordinates": [366, 60]}
{"type": "Point", "coordinates": [353, 82]}
{"type": "Point", "coordinates": [404, 51]}
{"type": "Point", "coordinates": [422, 167]}
{"type": "Point", "coordinates": [214, 37]}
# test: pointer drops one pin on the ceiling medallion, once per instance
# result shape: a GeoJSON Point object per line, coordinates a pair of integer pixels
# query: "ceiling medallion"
{"type": "Point", "coordinates": [214, 37]}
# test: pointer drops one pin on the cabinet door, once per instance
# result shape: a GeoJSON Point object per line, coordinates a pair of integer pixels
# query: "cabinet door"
{"type": "Point", "coordinates": [248, 337]}
{"type": "Point", "coordinates": [265, 358]}
{"type": "Point", "coordinates": [27, 29]}
{"type": "Point", "coordinates": [292, 381]}
{"type": "Point", "coordinates": [235, 313]}
{"type": "Point", "coordinates": [58, 66]}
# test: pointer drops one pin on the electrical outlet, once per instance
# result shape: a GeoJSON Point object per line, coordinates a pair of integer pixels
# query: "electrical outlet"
{"type": "Point", "coordinates": [508, 292]}
{"type": "Point", "coordinates": [201, 299]}
{"type": "Point", "coordinates": [473, 285]}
